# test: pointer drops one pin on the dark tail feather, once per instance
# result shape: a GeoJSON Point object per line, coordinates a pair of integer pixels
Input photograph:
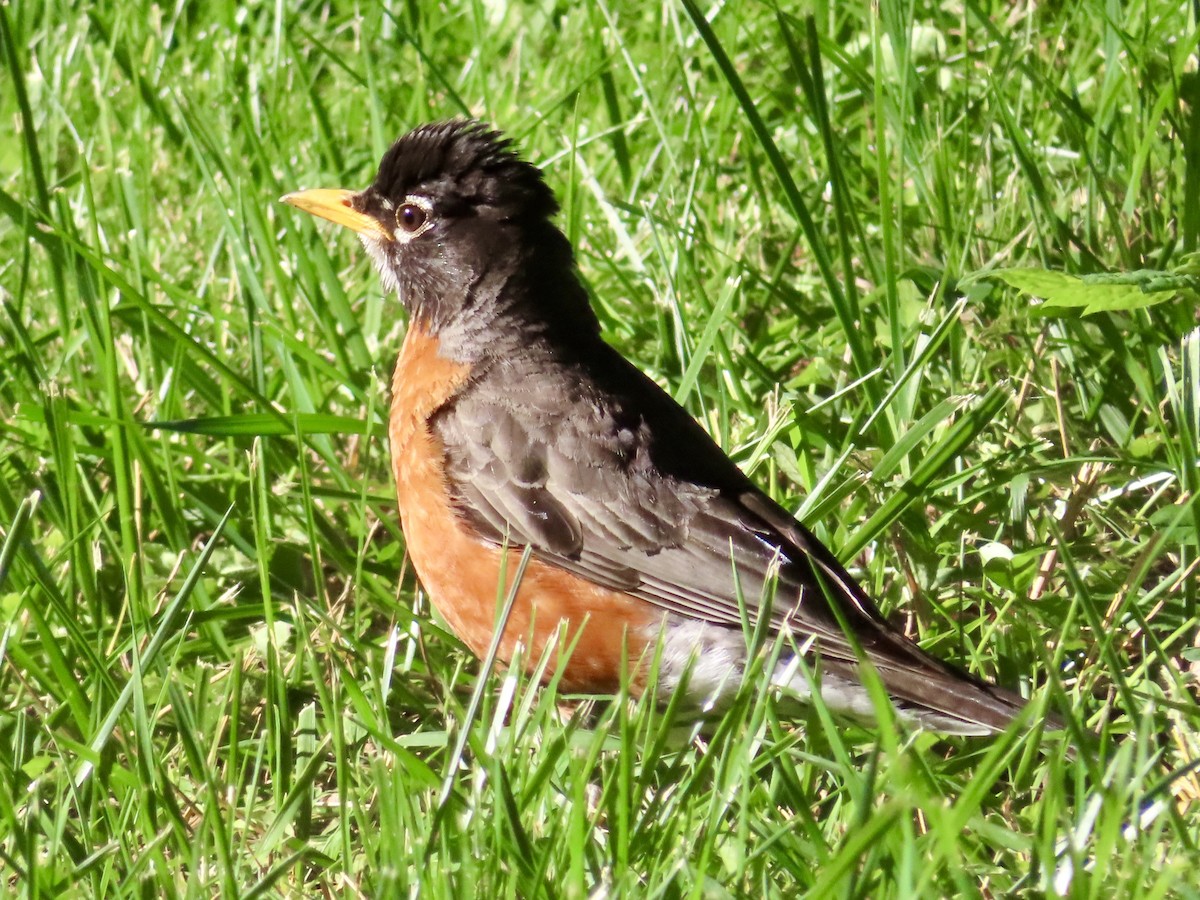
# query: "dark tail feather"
{"type": "Point", "coordinates": [945, 699]}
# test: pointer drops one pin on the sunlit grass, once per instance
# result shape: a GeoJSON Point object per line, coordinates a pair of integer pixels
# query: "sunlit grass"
{"type": "Point", "coordinates": [219, 675]}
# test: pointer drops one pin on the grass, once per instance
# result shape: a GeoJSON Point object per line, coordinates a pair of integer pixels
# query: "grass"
{"type": "Point", "coordinates": [218, 674]}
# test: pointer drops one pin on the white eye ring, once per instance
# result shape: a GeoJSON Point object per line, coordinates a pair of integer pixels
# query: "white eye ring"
{"type": "Point", "coordinates": [413, 218]}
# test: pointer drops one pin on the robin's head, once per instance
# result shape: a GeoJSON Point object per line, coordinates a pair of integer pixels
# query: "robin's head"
{"type": "Point", "coordinates": [460, 226]}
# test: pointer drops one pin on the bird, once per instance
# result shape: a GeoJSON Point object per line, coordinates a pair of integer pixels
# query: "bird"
{"type": "Point", "coordinates": [519, 435]}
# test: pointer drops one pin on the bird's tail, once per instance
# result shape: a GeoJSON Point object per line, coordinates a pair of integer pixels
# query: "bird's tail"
{"type": "Point", "coordinates": [933, 695]}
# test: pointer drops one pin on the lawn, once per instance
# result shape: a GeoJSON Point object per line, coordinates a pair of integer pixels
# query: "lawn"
{"type": "Point", "coordinates": [218, 674]}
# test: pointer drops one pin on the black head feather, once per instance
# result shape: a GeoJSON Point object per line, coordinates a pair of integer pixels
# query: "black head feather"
{"type": "Point", "coordinates": [485, 247]}
{"type": "Point", "coordinates": [464, 161]}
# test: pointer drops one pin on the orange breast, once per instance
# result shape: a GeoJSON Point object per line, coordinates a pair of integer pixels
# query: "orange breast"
{"type": "Point", "coordinates": [462, 573]}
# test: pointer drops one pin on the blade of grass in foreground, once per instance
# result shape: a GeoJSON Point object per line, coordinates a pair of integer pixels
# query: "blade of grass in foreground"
{"type": "Point", "coordinates": [165, 630]}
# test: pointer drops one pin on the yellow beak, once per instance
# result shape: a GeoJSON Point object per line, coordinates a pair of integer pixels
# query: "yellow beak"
{"type": "Point", "coordinates": [335, 205]}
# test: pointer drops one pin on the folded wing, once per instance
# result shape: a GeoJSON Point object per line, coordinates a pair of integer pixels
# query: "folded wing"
{"type": "Point", "coordinates": [664, 515]}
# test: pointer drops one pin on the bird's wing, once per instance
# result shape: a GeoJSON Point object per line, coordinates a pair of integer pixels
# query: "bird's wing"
{"type": "Point", "coordinates": [569, 465]}
{"type": "Point", "coordinates": [598, 491]}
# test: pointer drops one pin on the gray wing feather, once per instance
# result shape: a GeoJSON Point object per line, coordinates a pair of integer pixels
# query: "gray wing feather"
{"type": "Point", "coordinates": [587, 492]}
{"type": "Point", "coordinates": [563, 461]}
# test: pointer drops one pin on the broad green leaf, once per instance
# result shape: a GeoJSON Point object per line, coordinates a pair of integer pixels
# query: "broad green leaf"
{"type": "Point", "coordinates": [1103, 292]}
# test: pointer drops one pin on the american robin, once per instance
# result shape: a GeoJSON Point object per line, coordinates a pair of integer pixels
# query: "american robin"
{"type": "Point", "coordinates": [514, 425]}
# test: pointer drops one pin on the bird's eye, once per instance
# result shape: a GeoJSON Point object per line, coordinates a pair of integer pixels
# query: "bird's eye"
{"type": "Point", "coordinates": [412, 218]}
